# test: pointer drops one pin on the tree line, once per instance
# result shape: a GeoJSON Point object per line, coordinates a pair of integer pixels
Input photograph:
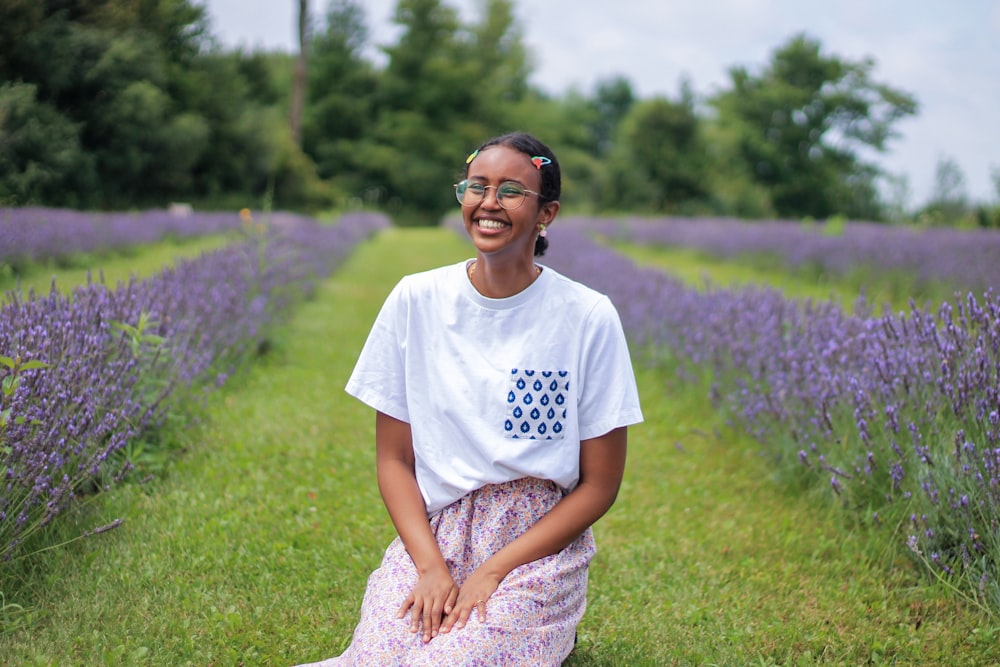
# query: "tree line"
{"type": "Point", "coordinates": [126, 103]}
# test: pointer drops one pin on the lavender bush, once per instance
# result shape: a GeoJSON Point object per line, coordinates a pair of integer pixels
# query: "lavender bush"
{"type": "Point", "coordinates": [898, 414]}
{"type": "Point", "coordinates": [119, 358]}
{"type": "Point", "coordinates": [964, 259]}
{"type": "Point", "coordinates": [35, 234]}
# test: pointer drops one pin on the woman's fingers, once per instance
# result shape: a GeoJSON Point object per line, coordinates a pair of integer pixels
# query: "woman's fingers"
{"type": "Point", "coordinates": [481, 610]}
{"type": "Point", "coordinates": [449, 605]}
{"type": "Point", "coordinates": [463, 609]}
{"type": "Point", "coordinates": [428, 613]}
{"type": "Point", "coordinates": [407, 603]}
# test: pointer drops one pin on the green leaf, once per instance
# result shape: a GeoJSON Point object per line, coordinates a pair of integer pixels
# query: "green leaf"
{"type": "Point", "coordinates": [34, 363]}
{"type": "Point", "coordinates": [6, 361]}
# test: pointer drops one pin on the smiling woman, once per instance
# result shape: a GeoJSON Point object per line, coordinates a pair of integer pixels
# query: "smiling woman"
{"type": "Point", "coordinates": [494, 458]}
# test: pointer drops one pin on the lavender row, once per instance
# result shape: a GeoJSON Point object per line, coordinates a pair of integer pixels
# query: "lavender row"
{"type": "Point", "coordinates": [120, 359]}
{"type": "Point", "coordinates": [964, 259]}
{"type": "Point", "coordinates": [35, 234]}
{"type": "Point", "coordinates": [898, 414]}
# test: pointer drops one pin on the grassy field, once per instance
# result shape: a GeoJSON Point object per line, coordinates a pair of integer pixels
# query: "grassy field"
{"type": "Point", "coordinates": [255, 547]}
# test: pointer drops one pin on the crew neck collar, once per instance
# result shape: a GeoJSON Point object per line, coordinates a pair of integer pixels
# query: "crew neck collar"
{"type": "Point", "coordinates": [527, 294]}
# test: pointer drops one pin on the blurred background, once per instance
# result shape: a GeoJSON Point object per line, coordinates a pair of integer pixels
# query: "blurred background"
{"type": "Point", "coordinates": [866, 111]}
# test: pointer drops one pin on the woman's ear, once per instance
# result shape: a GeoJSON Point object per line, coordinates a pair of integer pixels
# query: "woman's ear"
{"type": "Point", "coordinates": [548, 212]}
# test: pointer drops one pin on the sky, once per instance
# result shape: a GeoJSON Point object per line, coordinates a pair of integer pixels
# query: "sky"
{"type": "Point", "coordinates": [946, 53]}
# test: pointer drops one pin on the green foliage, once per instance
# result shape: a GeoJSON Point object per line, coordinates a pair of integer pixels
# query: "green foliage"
{"type": "Point", "coordinates": [9, 382]}
{"type": "Point", "coordinates": [124, 103]}
{"type": "Point", "coordinates": [132, 103]}
{"type": "Point", "coordinates": [801, 124]}
{"type": "Point", "coordinates": [662, 149]}
{"type": "Point", "coordinates": [40, 154]}
{"type": "Point", "coordinates": [341, 90]}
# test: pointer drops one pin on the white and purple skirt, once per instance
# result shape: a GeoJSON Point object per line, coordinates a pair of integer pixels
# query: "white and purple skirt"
{"type": "Point", "coordinates": [531, 618]}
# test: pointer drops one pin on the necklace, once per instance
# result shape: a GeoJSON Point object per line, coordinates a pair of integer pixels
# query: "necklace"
{"type": "Point", "coordinates": [472, 270]}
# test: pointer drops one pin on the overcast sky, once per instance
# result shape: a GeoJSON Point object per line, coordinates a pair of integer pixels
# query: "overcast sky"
{"type": "Point", "coordinates": [944, 52]}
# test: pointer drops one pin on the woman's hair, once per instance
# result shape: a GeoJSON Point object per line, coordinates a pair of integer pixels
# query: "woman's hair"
{"type": "Point", "coordinates": [551, 175]}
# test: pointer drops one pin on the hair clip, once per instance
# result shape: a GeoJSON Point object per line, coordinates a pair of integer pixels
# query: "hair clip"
{"type": "Point", "coordinates": [540, 161]}
{"type": "Point", "coordinates": [472, 156]}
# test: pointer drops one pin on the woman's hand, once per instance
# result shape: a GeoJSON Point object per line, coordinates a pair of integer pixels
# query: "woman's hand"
{"type": "Point", "coordinates": [474, 594]}
{"type": "Point", "coordinates": [432, 599]}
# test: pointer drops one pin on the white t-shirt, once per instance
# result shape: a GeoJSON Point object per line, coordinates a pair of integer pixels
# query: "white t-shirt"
{"type": "Point", "coordinates": [496, 389]}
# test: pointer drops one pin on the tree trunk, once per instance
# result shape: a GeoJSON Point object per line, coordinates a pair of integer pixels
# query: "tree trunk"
{"type": "Point", "coordinates": [299, 78]}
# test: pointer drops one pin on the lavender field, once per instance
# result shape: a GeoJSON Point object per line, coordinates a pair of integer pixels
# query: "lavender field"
{"type": "Point", "coordinates": [966, 260]}
{"type": "Point", "coordinates": [87, 375]}
{"type": "Point", "coordinates": [896, 415]}
{"type": "Point", "coordinates": [31, 235]}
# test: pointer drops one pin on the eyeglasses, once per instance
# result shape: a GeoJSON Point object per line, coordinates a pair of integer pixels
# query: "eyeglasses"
{"type": "Point", "coordinates": [510, 194]}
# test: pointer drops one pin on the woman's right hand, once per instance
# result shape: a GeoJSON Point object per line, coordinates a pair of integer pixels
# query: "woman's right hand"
{"type": "Point", "coordinates": [432, 598]}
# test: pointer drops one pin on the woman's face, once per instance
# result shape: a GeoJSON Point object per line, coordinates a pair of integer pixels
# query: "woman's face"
{"type": "Point", "coordinates": [494, 229]}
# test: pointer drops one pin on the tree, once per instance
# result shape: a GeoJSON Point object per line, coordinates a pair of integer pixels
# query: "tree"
{"type": "Point", "coordinates": [40, 157]}
{"type": "Point", "coordinates": [443, 90]}
{"type": "Point", "coordinates": [340, 103]}
{"type": "Point", "coordinates": [498, 51]}
{"type": "Point", "coordinates": [661, 149]}
{"type": "Point", "coordinates": [949, 200]}
{"type": "Point", "coordinates": [111, 75]}
{"type": "Point", "coordinates": [803, 123]}
{"type": "Point", "coordinates": [613, 99]}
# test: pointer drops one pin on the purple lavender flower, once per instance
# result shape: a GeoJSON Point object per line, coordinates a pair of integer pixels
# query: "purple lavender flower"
{"type": "Point", "coordinates": [103, 388]}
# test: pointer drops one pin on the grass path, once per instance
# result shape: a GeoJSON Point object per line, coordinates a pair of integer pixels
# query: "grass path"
{"type": "Point", "coordinates": [254, 550]}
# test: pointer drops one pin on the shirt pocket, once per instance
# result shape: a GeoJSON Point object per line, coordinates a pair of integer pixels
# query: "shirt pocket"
{"type": "Point", "coordinates": [537, 404]}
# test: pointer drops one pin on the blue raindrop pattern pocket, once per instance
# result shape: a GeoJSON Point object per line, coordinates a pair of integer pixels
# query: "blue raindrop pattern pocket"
{"type": "Point", "coordinates": [537, 404]}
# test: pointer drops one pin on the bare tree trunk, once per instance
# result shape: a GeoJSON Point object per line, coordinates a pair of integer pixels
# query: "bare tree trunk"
{"type": "Point", "coordinates": [299, 78]}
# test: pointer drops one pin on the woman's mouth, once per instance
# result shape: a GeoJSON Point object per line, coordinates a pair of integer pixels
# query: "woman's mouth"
{"type": "Point", "coordinates": [488, 225]}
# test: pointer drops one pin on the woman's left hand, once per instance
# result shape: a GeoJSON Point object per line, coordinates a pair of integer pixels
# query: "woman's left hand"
{"type": "Point", "coordinates": [473, 594]}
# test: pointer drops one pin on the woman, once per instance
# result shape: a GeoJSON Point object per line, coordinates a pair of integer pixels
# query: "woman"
{"type": "Point", "coordinates": [503, 392]}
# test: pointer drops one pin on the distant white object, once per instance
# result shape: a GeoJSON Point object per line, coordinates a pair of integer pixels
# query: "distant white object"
{"type": "Point", "coordinates": [180, 210]}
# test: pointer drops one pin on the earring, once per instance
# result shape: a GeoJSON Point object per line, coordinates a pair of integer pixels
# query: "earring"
{"type": "Point", "coordinates": [541, 229]}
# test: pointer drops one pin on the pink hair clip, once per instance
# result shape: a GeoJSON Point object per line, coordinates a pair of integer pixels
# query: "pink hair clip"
{"type": "Point", "coordinates": [540, 161]}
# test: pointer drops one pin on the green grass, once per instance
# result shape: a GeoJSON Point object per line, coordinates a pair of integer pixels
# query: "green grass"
{"type": "Point", "coordinates": [255, 548]}
{"type": "Point", "coordinates": [699, 268]}
{"type": "Point", "coordinates": [117, 266]}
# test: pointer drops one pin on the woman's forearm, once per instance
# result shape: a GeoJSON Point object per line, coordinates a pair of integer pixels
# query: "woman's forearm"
{"type": "Point", "coordinates": [397, 482]}
{"type": "Point", "coordinates": [406, 509]}
{"type": "Point", "coordinates": [601, 469]}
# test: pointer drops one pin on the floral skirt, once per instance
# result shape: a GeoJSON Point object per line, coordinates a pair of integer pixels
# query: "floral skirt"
{"type": "Point", "coordinates": [531, 618]}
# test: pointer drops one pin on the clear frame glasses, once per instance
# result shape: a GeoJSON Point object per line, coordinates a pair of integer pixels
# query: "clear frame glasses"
{"type": "Point", "coordinates": [510, 194]}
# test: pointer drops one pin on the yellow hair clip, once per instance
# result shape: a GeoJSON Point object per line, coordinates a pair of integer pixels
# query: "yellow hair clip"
{"type": "Point", "coordinates": [472, 156]}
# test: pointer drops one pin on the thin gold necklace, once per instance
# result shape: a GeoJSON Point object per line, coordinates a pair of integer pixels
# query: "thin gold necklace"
{"type": "Point", "coordinates": [472, 269]}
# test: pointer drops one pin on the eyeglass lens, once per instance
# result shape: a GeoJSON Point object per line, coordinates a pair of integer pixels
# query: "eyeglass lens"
{"type": "Point", "coordinates": [509, 195]}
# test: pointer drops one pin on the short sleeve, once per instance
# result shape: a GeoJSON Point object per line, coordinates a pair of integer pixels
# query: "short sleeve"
{"type": "Point", "coordinates": [378, 379]}
{"type": "Point", "coordinates": [608, 397]}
